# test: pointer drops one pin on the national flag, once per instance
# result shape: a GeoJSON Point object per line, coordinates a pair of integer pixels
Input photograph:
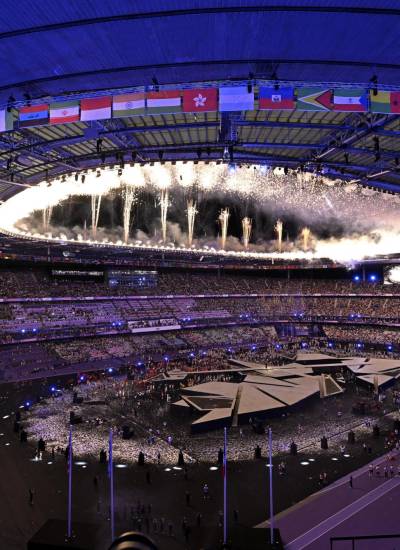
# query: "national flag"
{"type": "Point", "coordinates": [33, 115]}
{"type": "Point", "coordinates": [314, 99]}
{"type": "Point", "coordinates": [385, 102]}
{"type": "Point", "coordinates": [350, 99]}
{"type": "Point", "coordinates": [64, 112]}
{"type": "Point", "coordinates": [271, 99]}
{"type": "Point", "coordinates": [167, 101]}
{"type": "Point", "coordinates": [128, 105]}
{"type": "Point", "coordinates": [97, 108]}
{"type": "Point", "coordinates": [236, 98]}
{"type": "Point", "coordinates": [6, 120]}
{"type": "Point", "coordinates": [200, 100]}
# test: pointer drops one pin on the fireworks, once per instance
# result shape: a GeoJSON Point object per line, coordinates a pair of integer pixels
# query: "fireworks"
{"type": "Point", "coordinates": [96, 202]}
{"type": "Point", "coordinates": [305, 234]}
{"type": "Point", "coordinates": [223, 220]}
{"type": "Point", "coordinates": [191, 214]}
{"type": "Point", "coordinates": [47, 212]}
{"type": "Point", "coordinates": [129, 201]}
{"type": "Point", "coordinates": [368, 220]}
{"type": "Point", "coordinates": [279, 230]}
{"type": "Point", "coordinates": [164, 203]}
{"type": "Point", "coordinates": [246, 231]}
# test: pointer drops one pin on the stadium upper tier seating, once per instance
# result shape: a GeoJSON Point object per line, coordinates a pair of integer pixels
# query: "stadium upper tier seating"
{"type": "Point", "coordinates": [37, 283]}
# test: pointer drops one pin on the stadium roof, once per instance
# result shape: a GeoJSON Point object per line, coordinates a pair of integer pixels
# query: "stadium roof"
{"type": "Point", "coordinates": [50, 50]}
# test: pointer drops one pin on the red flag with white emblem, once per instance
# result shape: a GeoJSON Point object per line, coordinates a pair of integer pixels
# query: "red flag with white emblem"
{"type": "Point", "coordinates": [200, 100]}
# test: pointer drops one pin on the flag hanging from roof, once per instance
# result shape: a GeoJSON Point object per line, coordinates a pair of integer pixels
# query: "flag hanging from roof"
{"type": "Point", "coordinates": [64, 112]}
{"type": "Point", "coordinates": [314, 99]}
{"type": "Point", "coordinates": [350, 99]}
{"type": "Point", "coordinates": [33, 115]}
{"type": "Point", "coordinates": [270, 98]}
{"type": "Point", "coordinates": [128, 105]}
{"type": "Point", "coordinates": [385, 102]}
{"type": "Point", "coordinates": [236, 98]}
{"type": "Point", "coordinates": [167, 101]}
{"type": "Point", "coordinates": [6, 120]}
{"type": "Point", "coordinates": [200, 100]}
{"type": "Point", "coordinates": [97, 108]}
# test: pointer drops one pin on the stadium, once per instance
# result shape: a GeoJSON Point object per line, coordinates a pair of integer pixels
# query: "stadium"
{"type": "Point", "coordinates": [199, 275]}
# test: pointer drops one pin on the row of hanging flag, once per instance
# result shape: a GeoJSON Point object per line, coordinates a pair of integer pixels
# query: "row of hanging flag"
{"type": "Point", "coordinates": [200, 100]}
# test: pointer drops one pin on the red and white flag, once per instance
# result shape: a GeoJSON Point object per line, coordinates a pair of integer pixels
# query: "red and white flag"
{"type": "Point", "coordinates": [200, 100]}
{"type": "Point", "coordinates": [97, 108]}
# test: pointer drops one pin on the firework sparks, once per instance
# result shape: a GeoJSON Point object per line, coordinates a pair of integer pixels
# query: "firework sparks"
{"type": "Point", "coordinates": [305, 234]}
{"type": "Point", "coordinates": [47, 212]}
{"type": "Point", "coordinates": [246, 231]}
{"type": "Point", "coordinates": [223, 220]}
{"type": "Point", "coordinates": [96, 203]}
{"type": "Point", "coordinates": [164, 203]}
{"type": "Point", "coordinates": [191, 214]}
{"type": "Point", "coordinates": [279, 231]}
{"type": "Point", "coordinates": [130, 199]}
{"type": "Point", "coordinates": [368, 220]}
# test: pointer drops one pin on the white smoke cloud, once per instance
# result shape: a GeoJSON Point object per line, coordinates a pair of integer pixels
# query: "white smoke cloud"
{"type": "Point", "coordinates": [368, 220]}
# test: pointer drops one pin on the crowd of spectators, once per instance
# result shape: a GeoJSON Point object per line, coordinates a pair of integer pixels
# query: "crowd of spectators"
{"type": "Point", "coordinates": [37, 282]}
{"type": "Point", "coordinates": [65, 328]}
{"type": "Point", "coordinates": [146, 345]}
{"type": "Point", "coordinates": [57, 319]}
{"type": "Point", "coordinates": [373, 335]}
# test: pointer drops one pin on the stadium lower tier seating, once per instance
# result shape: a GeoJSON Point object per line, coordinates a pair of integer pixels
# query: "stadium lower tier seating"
{"type": "Point", "coordinates": [41, 318]}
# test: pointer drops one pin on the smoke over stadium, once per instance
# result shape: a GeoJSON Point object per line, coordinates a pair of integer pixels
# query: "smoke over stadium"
{"type": "Point", "coordinates": [213, 207]}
